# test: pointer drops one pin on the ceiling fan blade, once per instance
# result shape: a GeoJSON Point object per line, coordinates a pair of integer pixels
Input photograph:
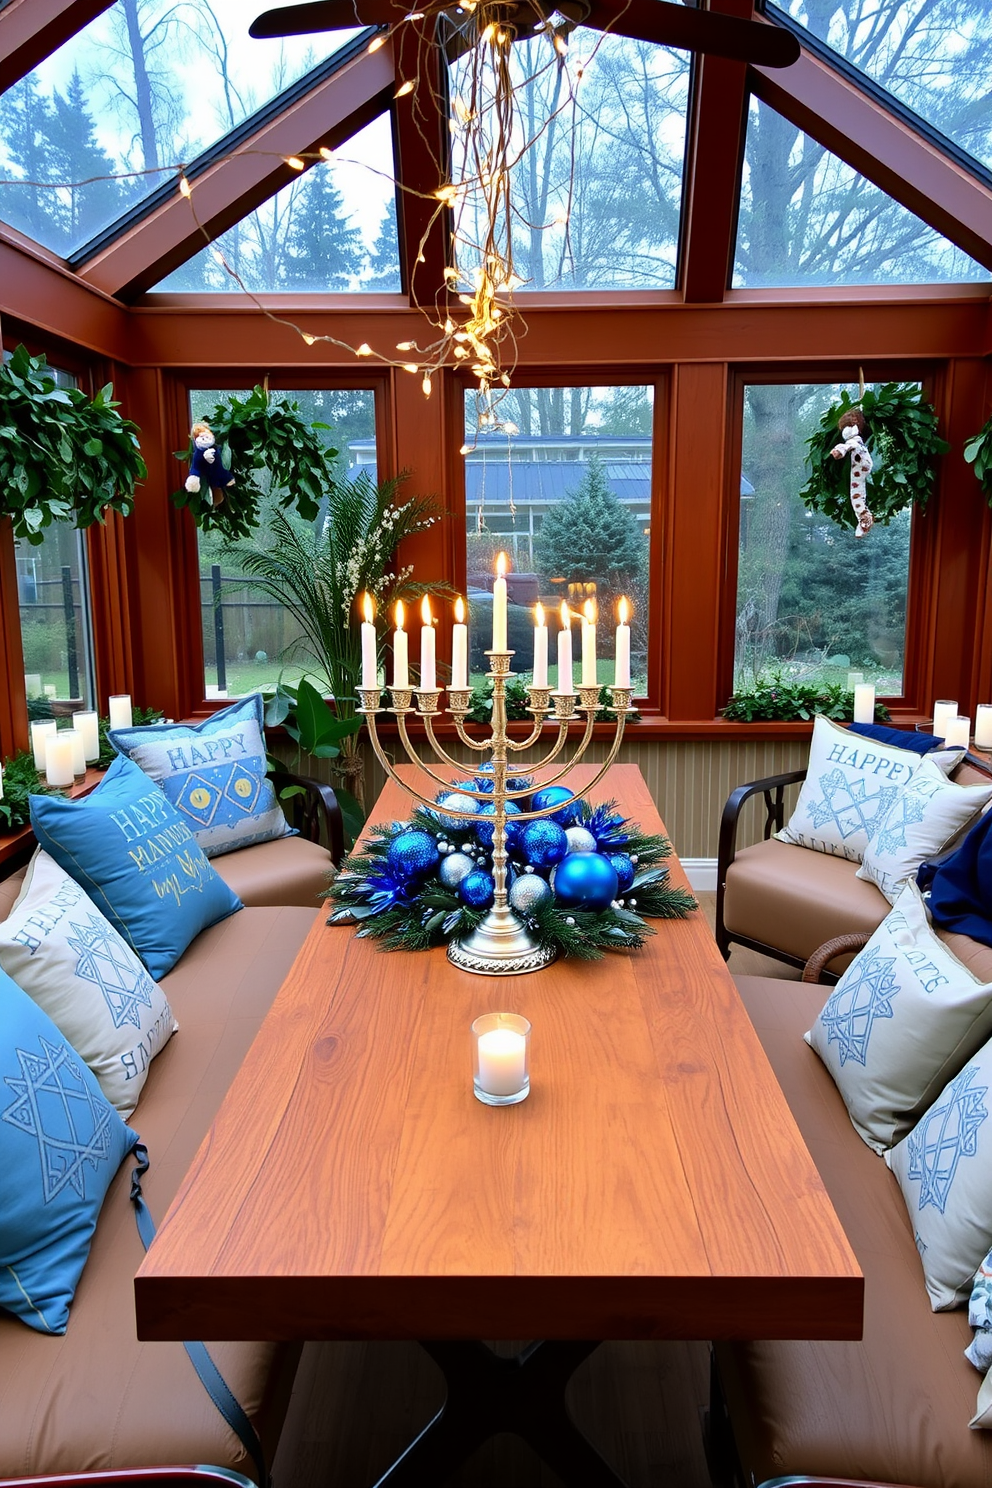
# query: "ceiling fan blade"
{"type": "Point", "coordinates": [323, 15]}
{"type": "Point", "coordinates": [696, 30]}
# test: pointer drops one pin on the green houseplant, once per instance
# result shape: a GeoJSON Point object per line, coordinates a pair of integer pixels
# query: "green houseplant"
{"type": "Point", "coordinates": [63, 456]}
{"type": "Point", "coordinates": [978, 453]}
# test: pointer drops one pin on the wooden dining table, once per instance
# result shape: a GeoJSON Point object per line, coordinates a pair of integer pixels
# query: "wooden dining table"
{"type": "Point", "coordinates": [653, 1184]}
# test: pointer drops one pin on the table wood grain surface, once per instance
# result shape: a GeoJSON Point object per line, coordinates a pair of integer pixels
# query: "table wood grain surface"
{"type": "Point", "coordinates": [653, 1185]}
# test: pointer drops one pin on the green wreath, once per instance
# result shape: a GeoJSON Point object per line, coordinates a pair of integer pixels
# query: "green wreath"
{"type": "Point", "coordinates": [903, 442]}
{"type": "Point", "coordinates": [978, 453]}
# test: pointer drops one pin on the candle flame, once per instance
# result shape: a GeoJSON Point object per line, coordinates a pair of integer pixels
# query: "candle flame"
{"type": "Point", "coordinates": [623, 609]}
{"type": "Point", "coordinates": [425, 610]}
{"type": "Point", "coordinates": [566, 615]}
{"type": "Point", "coordinates": [539, 614]}
{"type": "Point", "coordinates": [367, 610]}
{"type": "Point", "coordinates": [589, 610]}
{"type": "Point", "coordinates": [502, 564]}
{"type": "Point", "coordinates": [459, 611]}
{"type": "Point", "coordinates": [400, 614]}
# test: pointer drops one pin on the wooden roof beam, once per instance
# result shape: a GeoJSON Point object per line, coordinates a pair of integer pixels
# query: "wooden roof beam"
{"type": "Point", "coordinates": [236, 184]}
{"type": "Point", "coordinates": [421, 146]}
{"type": "Point", "coordinates": [883, 147]}
{"type": "Point", "coordinates": [31, 30]}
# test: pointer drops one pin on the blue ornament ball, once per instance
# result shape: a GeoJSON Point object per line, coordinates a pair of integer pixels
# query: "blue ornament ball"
{"type": "Point", "coordinates": [477, 889]}
{"type": "Point", "coordinates": [554, 795]}
{"type": "Point", "coordinates": [527, 892]}
{"type": "Point", "coordinates": [454, 868]}
{"type": "Point", "coordinates": [543, 842]}
{"type": "Point", "coordinates": [484, 830]}
{"type": "Point", "coordinates": [455, 801]}
{"type": "Point", "coordinates": [412, 854]}
{"type": "Point", "coordinates": [625, 871]}
{"type": "Point", "coordinates": [585, 881]}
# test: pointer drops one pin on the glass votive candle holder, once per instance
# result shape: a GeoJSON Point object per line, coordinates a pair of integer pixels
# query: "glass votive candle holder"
{"type": "Point", "coordinates": [501, 1059]}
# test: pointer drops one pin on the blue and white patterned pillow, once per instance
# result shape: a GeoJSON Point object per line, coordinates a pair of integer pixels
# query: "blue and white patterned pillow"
{"type": "Point", "coordinates": [214, 773]}
{"type": "Point", "coordinates": [925, 816]}
{"type": "Point", "coordinates": [61, 1142]}
{"type": "Point", "coordinates": [850, 787]}
{"type": "Point", "coordinates": [60, 950]}
{"type": "Point", "coordinates": [903, 1018]}
{"type": "Point", "coordinates": [944, 1168]}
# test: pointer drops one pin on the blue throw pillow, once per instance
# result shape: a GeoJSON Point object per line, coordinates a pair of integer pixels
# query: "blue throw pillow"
{"type": "Point", "coordinates": [138, 861]}
{"type": "Point", "coordinates": [61, 1142]}
{"type": "Point", "coordinates": [900, 738]}
{"type": "Point", "coordinates": [214, 773]}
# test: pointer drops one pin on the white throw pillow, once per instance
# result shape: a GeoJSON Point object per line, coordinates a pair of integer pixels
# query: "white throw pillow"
{"type": "Point", "coordinates": [944, 1168]}
{"type": "Point", "coordinates": [71, 961]}
{"type": "Point", "coordinates": [925, 816]}
{"type": "Point", "coordinates": [850, 786]}
{"type": "Point", "coordinates": [903, 1019]}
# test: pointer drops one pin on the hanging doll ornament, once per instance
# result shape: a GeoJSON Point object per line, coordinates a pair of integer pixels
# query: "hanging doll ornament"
{"type": "Point", "coordinates": [207, 467]}
{"type": "Point", "coordinates": [852, 427]}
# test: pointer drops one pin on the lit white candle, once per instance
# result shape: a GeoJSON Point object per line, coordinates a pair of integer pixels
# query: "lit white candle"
{"type": "Point", "coordinates": [589, 678]}
{"type": "Point", "coordinates": [499, 604]}
{"type": "Point", "coordinates": [78, 751]}
{"type": "Point", "coordinates": [983, 726]}
{"type": "Point", "coordinates": [502, 1061]}
{"type": "Point", "coordinates": [864, 702]}
{"type": "Point", "coordinates": [370, 668]}
{"type": "Point", "coordinates": [41, 732]}
{"type": "Point", "coordinates": [459, 647]}
{"type": "Point", "coordinates": [565, 678]}
{"type": "Point", "coordinates": [88, 724]}
{"type": "Point", "coordinates": [120, 710]}
{"type": "Point", "coordinates": [428, 668]}
{"type": "Point", "coordinates": [401, 665]}
{"type": "Point", "coordinates": [943, 709]}
{"type": "Point", "coordinates": [621, 670]}
{"type": "Point", "coordinates": [540, 678]}
{"type": "Point", "coordinates": [958, 732]}
{"type": "Point", "coordinates": [58, 759]}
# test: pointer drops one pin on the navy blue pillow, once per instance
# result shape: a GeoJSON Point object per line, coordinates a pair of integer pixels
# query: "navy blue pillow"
{"type": "Point", "coordinates": [129, 848]}
{"type": "Point", "coordinates": [61, 1142]}
{"type": "Point", "coordinates": [898, 738]}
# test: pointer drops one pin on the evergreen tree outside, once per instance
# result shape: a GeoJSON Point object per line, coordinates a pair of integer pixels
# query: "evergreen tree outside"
{"type": "Point", "coordinates": [85, 210]}
{"type": "Point", "coordinates": [322, 250]}
{"type": "Point", "coordinates": [591, 537]}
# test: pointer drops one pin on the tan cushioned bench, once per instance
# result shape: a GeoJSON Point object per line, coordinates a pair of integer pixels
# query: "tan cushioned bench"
{"type": "Point", "coordinates": [290, 870]}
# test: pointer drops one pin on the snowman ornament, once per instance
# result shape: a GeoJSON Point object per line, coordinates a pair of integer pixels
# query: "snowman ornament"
{"type": "Point", "coordinates": [852, 427]}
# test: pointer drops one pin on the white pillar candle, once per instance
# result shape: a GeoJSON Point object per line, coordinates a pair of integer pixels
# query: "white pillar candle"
{"type": "Point", "coordinates": [853, 678]}
{"type": "Point", "coordinates": [983, 726]}
{"type": "Point", "coordinates": [50, 690]}
{"type": "Point", "coordinates": [864, 702]}
{"type": "Point", "coordinates": [401, 665]}
{"type": "Point", "coordinates": [943, 709]}
{"type": "Point", "coordinates": [370, 667]}
{"type": "Point", "coordinates": [41, 732]}
{"type": "Point", "coordinates": [621, 670]}
{"type": "Point", "coordinates": [589, 678]}
{"type": "Point", "coordinates": [540, 678]}
{"type": "Point", "coordinates": [565, 679]}
{"type": "Point", "coordinates": [120, 710]}
{"type": "Point", "coordinates": [58, 760]}
{"type": "Point", "coordinates": [499, 605]}
{"type": "Point", "coordinates": [32, 684]}
{"type": "Point", "coordinates": [958, 732]}
{"type": "Point", "coordinates": [88, 724]}
{"type": "Point", "coordinates": [428, 667]}
{"type": "Point", "coordinates": [78, 751]}
{"type": "Point", "coordinates": [459, 647]}
{"type": "Point", "coordinates": [502, 1061]}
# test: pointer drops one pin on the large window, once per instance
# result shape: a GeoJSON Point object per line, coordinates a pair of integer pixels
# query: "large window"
{"type": "Point", "coordinates": [813, 601]}
{"type": "Point", "coordinates": [565, 490]}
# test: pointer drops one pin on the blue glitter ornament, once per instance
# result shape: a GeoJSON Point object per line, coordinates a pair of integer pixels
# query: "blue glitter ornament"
{"type": "Point", "coordinates": [553, 795]}
{"type": "Point", "coordinates": [484, 830]}
{"type": "Point", "coordinates": [477, 889]}
{"type": "Point", "coordinates": [585, 881]}
{"type": "Point", "coordinates": [543, 842]}
{"type": "Point", "coordinates": [455, 801]}
{"type": "Point", "coordinates": [625, 871]}
{"type": "Point", "coordinates": [412, 854]}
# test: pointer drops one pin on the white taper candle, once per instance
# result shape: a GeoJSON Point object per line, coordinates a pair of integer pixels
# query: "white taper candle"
{"type": "Point", "coordinates": [428, 668]}
{"type": "Point", "coordinates": [540, 678]}
{"type": "Point", "coordinates": [370, 665]}
{"type": "Point", "coordinates": [565, 679]}
{"type": "Point", "coordinates": [401, 665]}
{"type": "Point", "coordinates": [459, 647]}
{"type": "Point", "coordinates": [499, 604]}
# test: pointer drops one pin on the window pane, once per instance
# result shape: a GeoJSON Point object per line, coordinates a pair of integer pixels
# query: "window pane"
{"type": "Point", "coordinates": [56, 633]}
{"type": "Point", "coordinates": [813, 601]}
{"type": "Point", "coordinates": [935, 56]}
{"type": "Point", "coordinates": [333, 228]}
{"type": "Point", "coordinates": [144, 86]}
{"type": "Point", "coordinates": [249, 641]}
{"type": "Point", "coordinates": [596, 198]}
{"type": "Point", "coordinates": [568, 498]}
{"type": "Point", "coordinates": [808, 218]}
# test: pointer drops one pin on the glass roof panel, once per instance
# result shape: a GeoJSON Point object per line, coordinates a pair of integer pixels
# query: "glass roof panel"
{"type": "Point", "coordinates": [808, 218]}
{"type": "Point", "coordinates": [595, 160]}
{"type": "Point", "coordinates": [145, 86]}
{"type": "Point", "coordinates": [334, 228]}
{"type": "Point", "coordinates": [934, 56]}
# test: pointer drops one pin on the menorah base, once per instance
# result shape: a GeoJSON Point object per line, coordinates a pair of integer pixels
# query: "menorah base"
{"type": "Point", "coordinates": [500, 946]}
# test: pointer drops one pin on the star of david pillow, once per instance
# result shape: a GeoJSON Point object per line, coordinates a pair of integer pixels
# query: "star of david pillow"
{"type": "Point", "coordinates": [925, 816]}
{"type": "Point", "coordinates": [137, 859]}
{"type": "Point", "coordinates": [903, 1019]}
{"type": "Point", "coordinates": [61, 1142]}
{"type": "Point", "coordinates": [61, 951]}
{"type": "Point", "coordinates": [214, 774]}
{"type": "Point", "coordinates": [850, 786]}
{"type": "Point", "coordinates": [944, 1168]}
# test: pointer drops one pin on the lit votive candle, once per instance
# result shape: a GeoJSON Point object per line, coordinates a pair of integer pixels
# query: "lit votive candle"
{"type": "Point", "coordinates": [589, 678]}
{"type": "Point", "coordinates": [78, 751]}
{"type": "Point", "coordinates": [58, 759]}
{"type": "Point", "coordinates": [958, 732]}
{"type": "Point", "coordinates": [88, 724]}
{"type": "Point", "coordinates": [983, 726]}
{"type": "Point", "coordinates": [621, 670]}
{"type": "Point", "coordinates": [540, 678]}
{"type": "Point", "coordinates": [864, 702]}
{"type": "Point", "coordinates": [41, 732]}
{"type": "Point", "coordinates": [370, 671]}
{"type": "Point", "coordinates": [120, 710]}
{"type": "Point", "coordinates": [501, 1048]}
{"type": "Point", "coordinates": [459, 648]}
{"type": "Point", "coordinates": [566, 682]}
{"type": "Point", "coordinates": [499, 604]}
{"type": "Point", "coordinates": [401, 663]}
{"type": "Point", "coordinates": [943, 709]}
{"type": "Point", "coordinates": [428, 665]}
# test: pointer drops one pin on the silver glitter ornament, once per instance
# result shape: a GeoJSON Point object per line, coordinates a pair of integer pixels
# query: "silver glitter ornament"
{"type": "Point", "coordinates": [454, 868]}
{"type": "Point", "coordinates": [527, 892]}
{"type": "Point", "coordinates": [580, 840]}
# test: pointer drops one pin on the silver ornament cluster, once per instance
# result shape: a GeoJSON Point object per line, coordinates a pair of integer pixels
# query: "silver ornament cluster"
{"type": "Point", "coordinates": [527, 892]}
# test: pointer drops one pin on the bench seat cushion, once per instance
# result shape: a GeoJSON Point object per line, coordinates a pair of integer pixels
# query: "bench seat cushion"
{"type": "Point", "coordinates": [289, 870]}
{"type": "Point", "coordinates": [97, 1398]}
{"type": "Point", "coordinates": [894, 1407]}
